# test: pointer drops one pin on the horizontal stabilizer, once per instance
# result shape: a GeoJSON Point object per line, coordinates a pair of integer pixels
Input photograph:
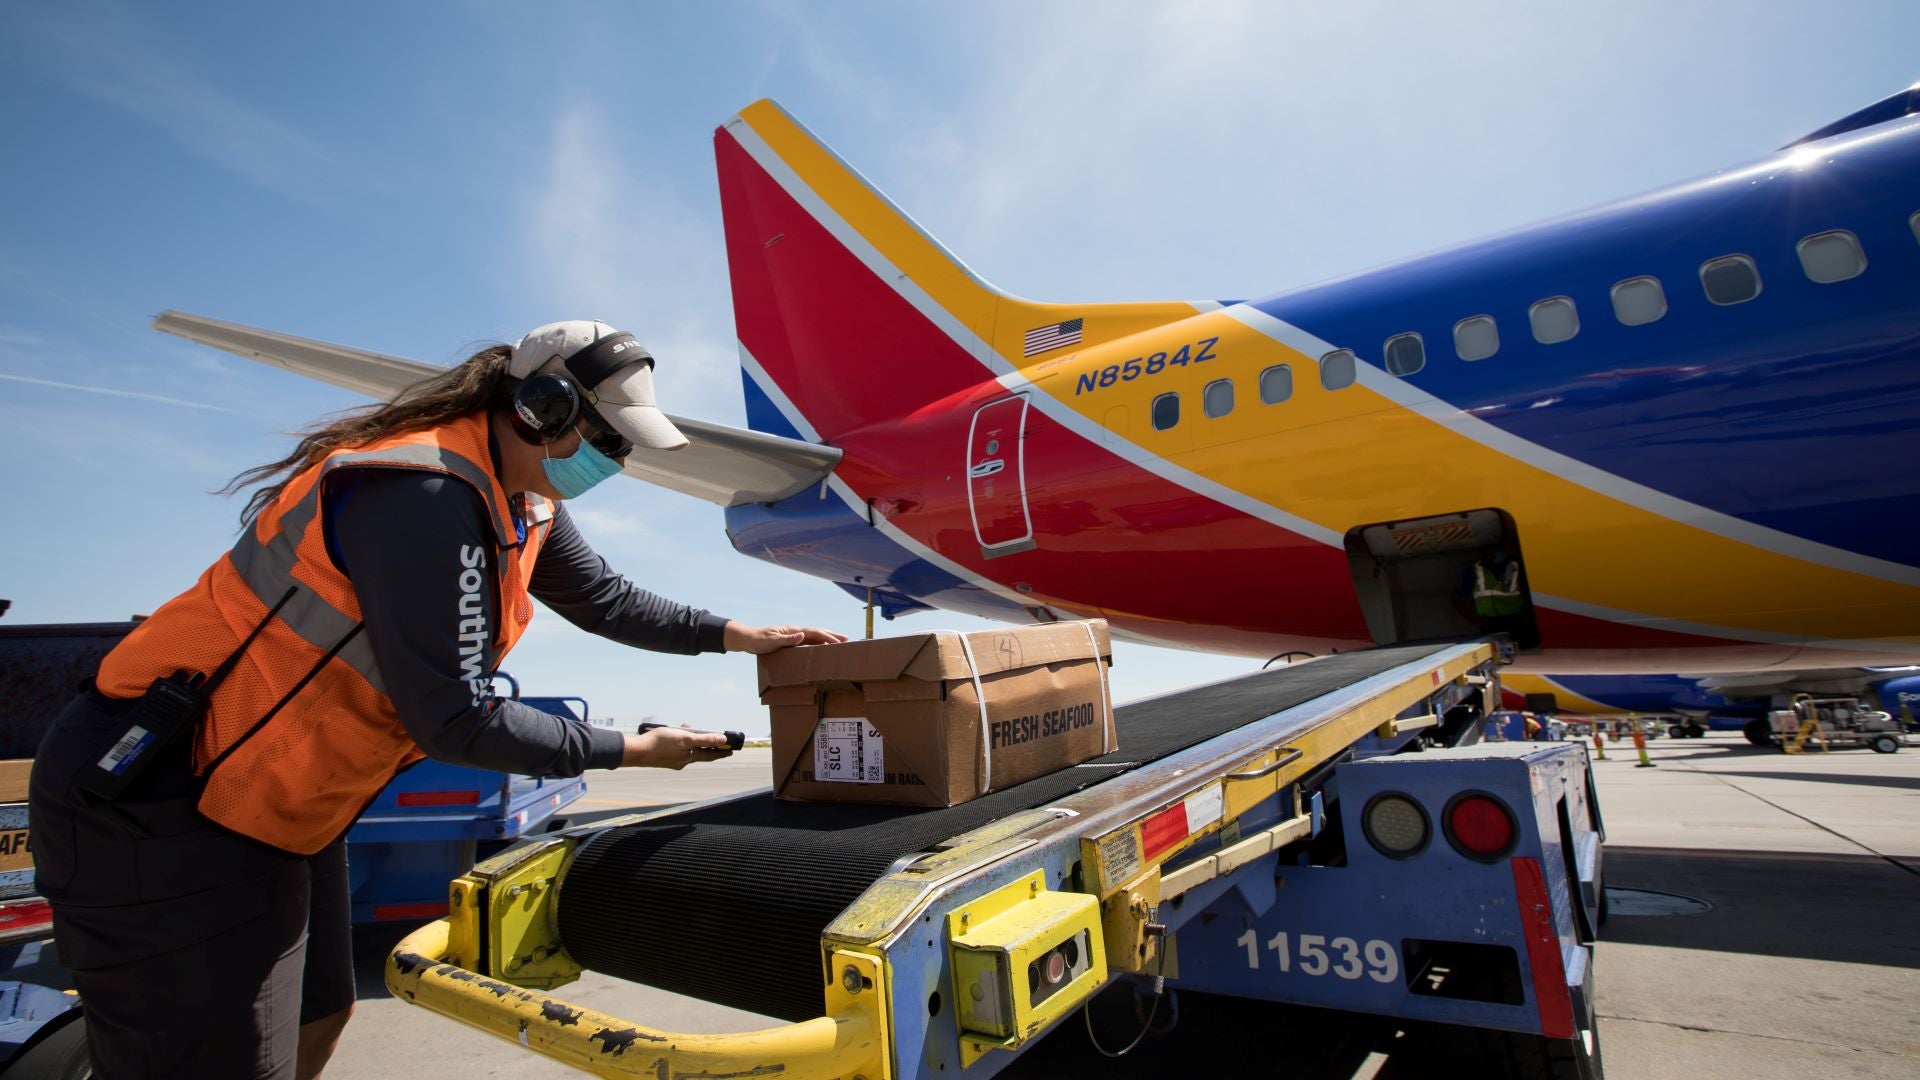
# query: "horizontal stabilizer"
{"type": "Point", "coordinates": [724, 465]}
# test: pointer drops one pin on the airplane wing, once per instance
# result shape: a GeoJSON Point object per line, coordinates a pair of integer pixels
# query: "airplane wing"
{"type": "Point", "coordinates": [724, 465]}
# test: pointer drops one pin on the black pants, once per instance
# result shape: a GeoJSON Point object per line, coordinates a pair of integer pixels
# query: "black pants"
{"type": "Point", "coordinates": [197, 952]}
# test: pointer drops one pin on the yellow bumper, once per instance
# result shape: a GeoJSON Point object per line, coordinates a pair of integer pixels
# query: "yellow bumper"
{"type": "Point", "coordinates": [850, 1042]}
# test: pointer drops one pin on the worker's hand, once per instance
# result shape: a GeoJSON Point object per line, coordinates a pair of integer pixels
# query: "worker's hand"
{"type": "Point", "coordinates": [765, 639]}
{"type": "Point", "coordinates": [673, 748]}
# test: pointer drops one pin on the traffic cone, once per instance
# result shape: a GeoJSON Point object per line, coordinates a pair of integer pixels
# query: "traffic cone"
{"type": "Point", "coordinates": [1599, 744]}
{"type": "Point", "coordinates": [1640, 744]}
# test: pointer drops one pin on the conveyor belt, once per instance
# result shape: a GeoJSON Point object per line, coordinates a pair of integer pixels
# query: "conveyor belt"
{"type": "Point", "coordinates": [726, 902]}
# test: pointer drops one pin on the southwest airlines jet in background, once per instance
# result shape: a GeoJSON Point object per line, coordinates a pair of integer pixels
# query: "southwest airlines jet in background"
{"type": "Point", "coordinates": [1690, 416]}
{"type": "Point", "coordinates": [1737, 702]}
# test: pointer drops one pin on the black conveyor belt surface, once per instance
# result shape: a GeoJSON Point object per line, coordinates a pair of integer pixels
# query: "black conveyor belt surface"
{"type": "Point", "coordinates": [726, 902]}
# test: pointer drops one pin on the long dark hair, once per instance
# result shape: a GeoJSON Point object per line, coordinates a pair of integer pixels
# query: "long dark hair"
{"type": "Point", "coordinates": [479, 382]}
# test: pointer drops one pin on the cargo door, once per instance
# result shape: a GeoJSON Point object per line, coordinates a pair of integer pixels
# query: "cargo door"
{"type": "Point", "coordinates": [1415, 580]}
{"type": "Point", "coordinates": [997, 478]}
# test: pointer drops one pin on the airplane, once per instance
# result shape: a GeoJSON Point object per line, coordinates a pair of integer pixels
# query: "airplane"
{"type": "Point", "coordinates": [1688, 415]}
{"type": "Point", "coordinates": [1698, 703]}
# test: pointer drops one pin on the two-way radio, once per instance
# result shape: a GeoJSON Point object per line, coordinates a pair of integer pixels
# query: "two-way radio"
{"type": "Point", "coordinates": [170, 705]}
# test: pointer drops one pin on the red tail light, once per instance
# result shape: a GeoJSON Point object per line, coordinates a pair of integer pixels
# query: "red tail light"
{"type": "Point", "coordinates": [28, 918]}
{"type": "Point", "coordinates": [1480, 826]}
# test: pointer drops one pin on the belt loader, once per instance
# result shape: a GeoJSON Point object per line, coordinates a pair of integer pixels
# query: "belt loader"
{"type": "Point", "coordinates": [1262, 837]}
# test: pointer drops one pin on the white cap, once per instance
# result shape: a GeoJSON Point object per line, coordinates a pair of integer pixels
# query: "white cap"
{"type": "Point", "coordinates": [616, 380]}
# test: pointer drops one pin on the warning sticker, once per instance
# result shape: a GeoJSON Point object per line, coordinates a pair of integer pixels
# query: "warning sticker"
{"type": "Point", "coordinates": [1119, 859]}
{"type": "Point", "coordinates": [848, 751]}
{"type": "Point", "coordinates": [1445, 534]}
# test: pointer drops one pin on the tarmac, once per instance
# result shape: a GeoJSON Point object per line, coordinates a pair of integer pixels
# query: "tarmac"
{"type": "Point", "coordinates": [1803, 961]}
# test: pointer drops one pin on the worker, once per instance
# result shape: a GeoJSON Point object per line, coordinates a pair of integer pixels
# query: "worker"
{"type": "Point", "coordinates": [1533, 727]}
{"type": "Point", "coordinates": [188, 807]}
{"type": "Point", "coordinates": [1489, 593]}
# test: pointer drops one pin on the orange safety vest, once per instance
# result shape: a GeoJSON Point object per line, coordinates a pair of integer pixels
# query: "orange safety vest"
{"type": "Point", "coordinates": [302, 736]}
{"type": "Point", "coordinates": [1496, 595]}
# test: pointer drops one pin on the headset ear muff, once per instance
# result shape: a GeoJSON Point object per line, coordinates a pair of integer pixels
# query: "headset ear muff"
{"type": "Point", "coordinates": [545, 407]}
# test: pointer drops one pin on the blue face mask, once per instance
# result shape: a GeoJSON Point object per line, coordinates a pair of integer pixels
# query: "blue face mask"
{"type": "Point", "coordinates": [573, 476]}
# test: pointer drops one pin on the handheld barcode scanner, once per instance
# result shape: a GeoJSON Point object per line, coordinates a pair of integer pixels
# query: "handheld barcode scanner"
{"type": "Point", "coordinates": [735, 739]}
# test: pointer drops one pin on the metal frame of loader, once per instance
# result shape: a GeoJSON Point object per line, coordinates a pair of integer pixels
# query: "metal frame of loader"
{"type": "Point", "coordinates": [1257, 863]}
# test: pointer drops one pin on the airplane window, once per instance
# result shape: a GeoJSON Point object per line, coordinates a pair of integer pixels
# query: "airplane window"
{"type": "Point", "coordinates": [1218, 398]}
{"type": "Point", "coordinates": [1638, 301]}
{"type": "Point", "coordinates": [1476, 338]}
{"type": "Point", "coordinates": [1405, 354]}
{"type": "Point", "coordinates": [1554, 320]}
{"type": "Point", "coordinates": [1276, 384]}
{"type": "Point", "coordinates": [1336, 370]}
{"type": "Point", "coordinates": [1166, 411]}
{"type": "Point", "coordinates": [1730, 279]}
{"type": "Point", "coordinates": [1832, 256]}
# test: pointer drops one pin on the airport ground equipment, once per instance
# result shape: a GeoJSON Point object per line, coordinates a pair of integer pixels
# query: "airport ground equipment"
{"type": "Point", "coordinates": [1262, 836]}
{"type": "Point", "coordinates": [1811, 723]}
{"type": "Point", "coordinates": [1505, 725]}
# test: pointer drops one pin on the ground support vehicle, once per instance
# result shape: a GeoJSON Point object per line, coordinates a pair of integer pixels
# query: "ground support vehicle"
{"type": "Point", "coordinates": [1505, 726]}
{"type": "Point", "coordinates": [1811, 723]}
{"type": "Point", "coordinates": [1263, 836]}
{"type": "Point", "coordinates": [1687, 727]}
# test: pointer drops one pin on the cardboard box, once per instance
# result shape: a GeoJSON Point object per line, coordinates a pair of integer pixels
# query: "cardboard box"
{"type": "Point", "coordinates": [899, 720]}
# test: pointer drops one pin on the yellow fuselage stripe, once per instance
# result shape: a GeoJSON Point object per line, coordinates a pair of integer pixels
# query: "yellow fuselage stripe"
{"type": "Point", "coordinates": [1539, 684]}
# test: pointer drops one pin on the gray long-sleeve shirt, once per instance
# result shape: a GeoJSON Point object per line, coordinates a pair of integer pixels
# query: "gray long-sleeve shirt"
{"type": "Point", "coordinates": [405, 537]}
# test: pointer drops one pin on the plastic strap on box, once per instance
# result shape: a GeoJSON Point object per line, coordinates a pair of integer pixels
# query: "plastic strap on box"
{"type": "Point", "coordinates": [1100, 673]}
{"type": "Point", "coordinates": [980, 695]}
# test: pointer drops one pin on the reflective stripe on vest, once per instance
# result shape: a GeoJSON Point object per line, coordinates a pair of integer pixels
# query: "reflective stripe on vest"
{"type": "Point", "coordinates": [296, 742]}
{"type": "Point", "coordinates": [268, 568]}
{"type": "Point", "coordinates": [1496, 598]}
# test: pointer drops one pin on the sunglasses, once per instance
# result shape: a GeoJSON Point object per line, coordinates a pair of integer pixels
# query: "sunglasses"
{"type": "Point", "coordinates": [603, 438]}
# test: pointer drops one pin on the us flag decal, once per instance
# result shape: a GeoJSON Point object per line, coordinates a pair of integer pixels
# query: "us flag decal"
{"type": "Point", "coordinates": [1053, 336]}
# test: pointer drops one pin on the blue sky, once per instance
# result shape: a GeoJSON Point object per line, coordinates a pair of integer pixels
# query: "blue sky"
{"type": "Point", "coordinates": [422, 179]}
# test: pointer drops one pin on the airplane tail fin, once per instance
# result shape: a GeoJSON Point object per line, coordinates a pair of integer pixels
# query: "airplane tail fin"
{"type": "Point", "coordinates": [848, 312]}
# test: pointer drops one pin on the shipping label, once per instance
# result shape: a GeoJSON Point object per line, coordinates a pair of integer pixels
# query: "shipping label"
{"type": "Point", "coordinates": [848, 751]}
